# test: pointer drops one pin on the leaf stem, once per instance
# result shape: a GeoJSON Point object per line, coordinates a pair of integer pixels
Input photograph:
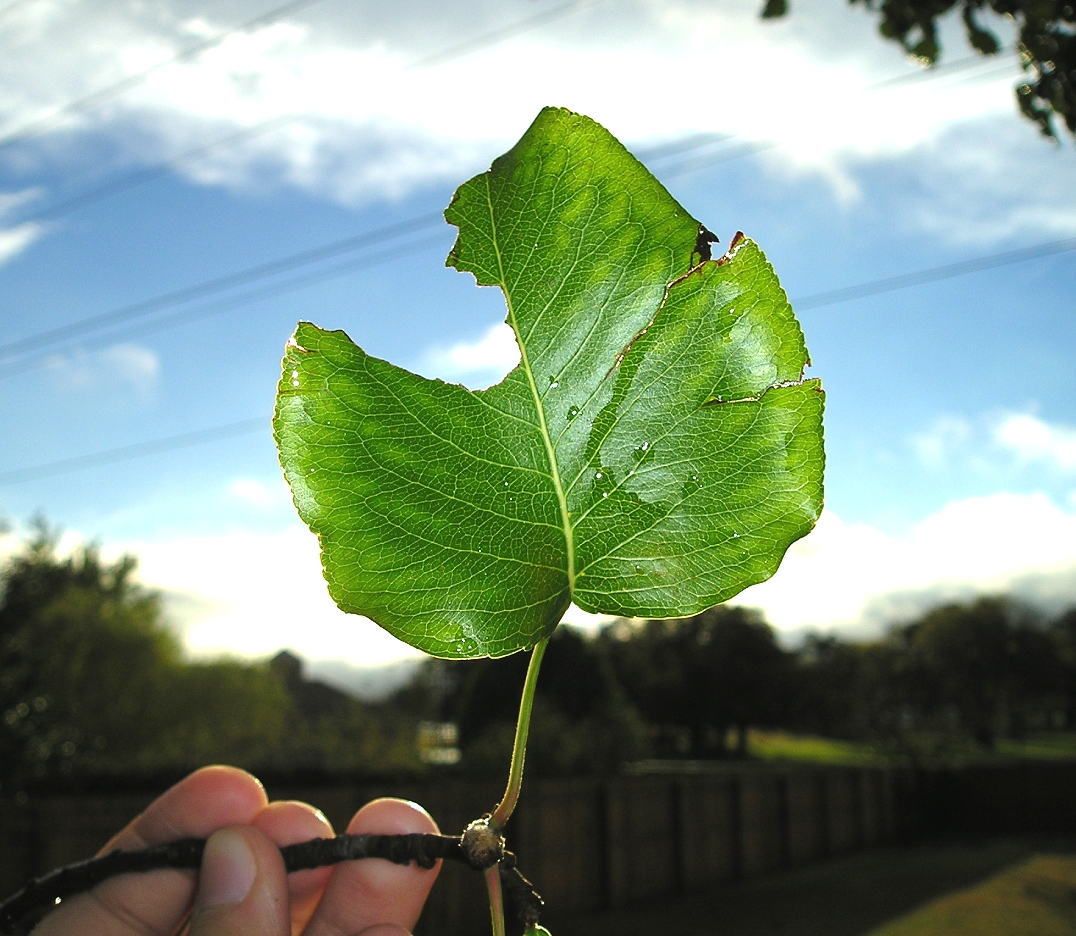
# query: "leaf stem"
{"type": "Point", "coordinates": [519, 748]}
{"type": "Point", "coordinates": [496, 899]}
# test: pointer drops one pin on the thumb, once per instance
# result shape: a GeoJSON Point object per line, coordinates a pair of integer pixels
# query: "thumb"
{"type": "Point", "coordinates": [242, 887]}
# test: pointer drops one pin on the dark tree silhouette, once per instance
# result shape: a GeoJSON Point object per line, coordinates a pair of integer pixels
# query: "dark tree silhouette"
{"type": "Point", "coordinates": [706, 674]}
{"type": "Point", "coordinates": [93, 683]}
{"type": "Point", "coordinates": [582, 721]}
{"type": "Point", "coordinates": [989, 664]}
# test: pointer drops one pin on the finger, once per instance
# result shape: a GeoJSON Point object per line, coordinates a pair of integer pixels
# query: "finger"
{"type": "Point", "coordinates": [157, 902]}
{"type": "Point", "coordinates": [242, 887]}
{"type": "Point", "coordinates": [286, 823]}
{"type": "Point", "coordinates": [363, 894]}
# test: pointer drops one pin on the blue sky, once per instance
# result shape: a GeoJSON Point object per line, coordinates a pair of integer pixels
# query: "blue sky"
{"type": "Point", "coordinates": [951, 422]}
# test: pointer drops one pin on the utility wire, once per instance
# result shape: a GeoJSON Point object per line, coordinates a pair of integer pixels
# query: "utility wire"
{"type": "Point", "coordinates": [814, 301]}
{"type": "Point", "coordinates": [25, 354]}
{"type": "Point", "coordinates": [88, 102]}
{"type": "Point", "coordinates": [934, 274]}
{"type": "Point", "coordinates": [942, 69]}
{"type": "Point", "coordinates": [933, 73]}
{"type": "Point", "coordinates": [219, 284]}
{"type": "Point", "coordinates": [32, 344]}
{"type": "Point", "coordinates": [185, 316]}
{"type": "Point", "coordinates": [696, 141]}
{"type": "Point", "coordinates": [124, 453]}
{"type": "Point", "coordinates": [498, 35]}
{"type": "Point", "coordinates": [156, 170]}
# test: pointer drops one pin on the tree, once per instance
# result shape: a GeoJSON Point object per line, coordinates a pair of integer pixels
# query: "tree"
{"type": "Point", "coordinates": [714, 671]}
{"type": "Point", "coordinates": [582, 723]}
{"type": "Point", "coordinates": [83, 651]}
{"type": "Point", "coordinates": [93, 682]}
{"type": "Point", "coordinates": [990, 665]}
{"type": "Point", "coordinates": [1046, 45]}
{"type": "Point", "coordinates": [1063, 633]}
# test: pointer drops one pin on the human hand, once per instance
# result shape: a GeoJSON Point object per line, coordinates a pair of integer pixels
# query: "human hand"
{"type": "Point", "coordinates": [241, 887]}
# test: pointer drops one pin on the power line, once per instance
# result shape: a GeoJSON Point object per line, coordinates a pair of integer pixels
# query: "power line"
{"type": "Point", "coordinates": [465, 48]}
{"type": "Point", "coordinates": [218, 284]}
{"type": "Point", "coordinates": [814, 301]}
{"type": "Point", "coordinates": [683, 145]}
{"type": "Point", "coordinates": [699, 163]}
{"type": "Point", "coordinates": [28, 345]}
{"type": "Point", "coordinates": [934, 73]}
{"type": "Point", "coordinates": [21, 355]}
{"type": "Point", "coordinates": [186, 316]}
{"type": "Point", "coordinates": [138, 450]}
{"type": "Point", "coordinates": [495, 36]}
{"type": "Point", "coordinates": [88, 102]}
{"type": "Point", "coordinates": [941, 70]}
{"type": "Point", "coordinates": [156, 170]}
{"type": "Point", "coordinates": [13, 350]}
{"type": "Point", "coordinates": [149, 173]}
{"type": "Point", "coordinates": [696, 141]}
{"type": "Point", "coordinates": [491, 38]}
{"type": "Point", "coordinates": [934, 274]}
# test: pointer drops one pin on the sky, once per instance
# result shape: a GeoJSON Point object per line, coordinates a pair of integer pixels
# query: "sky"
{"type": "Point", "coordinates": [181, 182]}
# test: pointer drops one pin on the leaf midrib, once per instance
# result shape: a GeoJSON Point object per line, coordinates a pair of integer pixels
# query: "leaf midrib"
{"type": "Point", "coordinates": [554, 471]}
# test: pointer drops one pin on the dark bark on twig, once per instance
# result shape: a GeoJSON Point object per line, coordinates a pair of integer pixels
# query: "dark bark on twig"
{"type": "Point", "coordinates": [43, 893]}
{"type": "Point", "coordinates": [527, 901]}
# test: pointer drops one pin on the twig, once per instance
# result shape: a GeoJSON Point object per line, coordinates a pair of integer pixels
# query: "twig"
{"type": "Point", "coordinates": [43, 893]}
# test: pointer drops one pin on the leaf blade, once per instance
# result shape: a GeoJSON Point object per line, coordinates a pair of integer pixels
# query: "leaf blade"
{"type": "Point", "coordinates": [465, 522]}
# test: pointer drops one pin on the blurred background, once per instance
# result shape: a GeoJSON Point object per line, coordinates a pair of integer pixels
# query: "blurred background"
{"type": "Point", "coordinates": [181, 182]}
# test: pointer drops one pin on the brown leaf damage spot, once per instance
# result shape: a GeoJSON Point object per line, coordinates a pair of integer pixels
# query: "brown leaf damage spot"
{"type": "Point", "coordinates": [737, 239]}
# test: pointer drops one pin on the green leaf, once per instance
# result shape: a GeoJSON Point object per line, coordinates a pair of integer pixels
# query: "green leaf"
{"type": "Point", "coordinates": [655, 451]}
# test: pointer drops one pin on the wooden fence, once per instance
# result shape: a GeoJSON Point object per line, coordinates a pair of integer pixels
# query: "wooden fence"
{"type": "Point", "coordinates": [586, 844]}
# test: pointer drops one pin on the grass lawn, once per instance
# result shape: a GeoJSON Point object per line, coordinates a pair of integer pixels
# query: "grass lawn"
{"type": "Point", "coordinates": [1044, 747]}
{"type": "Point", "coordinates": [1036, 898]}
{"type": "Point", "coordinates": [782, 746]}
{"type": "Point", "coordinates": [764, 744]}
{"type": "Point", "coordinates": [869, 893]}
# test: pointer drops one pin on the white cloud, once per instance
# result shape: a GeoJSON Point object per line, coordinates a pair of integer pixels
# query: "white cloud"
{"type": "Point", "coordinates": [258, 494]}
{"type": "Point", "coordinates": [853, 576]}
{"type": "Point", "coordinates": [121, 366]}
{"type": "Point", "coordinates": [16, 238]}
{"type": "Point", "coordinates": [998, 444]}
{"type": "Point", "coordinates": [946, 436]}
{"type": "Point", "coordinates": [1033, 440]}
{"type": "Point", "coordinates": [261, 593]}
{"type": "Point", "coordinates": [488, 359]}
{"type": "Point", "coordinates": [650, 70]}
{"type": "Point", "coordinates": [253, 594]}
{"type": "Point", "coordinates": [986, 182]}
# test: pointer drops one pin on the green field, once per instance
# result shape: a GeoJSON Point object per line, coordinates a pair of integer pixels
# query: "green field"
{"type": "Point", "coordinates": [785, 746]}
{"type": "Point", "coordinates": [1036, 898]}
{"type": "Point", "coordinates": [1001, 888]}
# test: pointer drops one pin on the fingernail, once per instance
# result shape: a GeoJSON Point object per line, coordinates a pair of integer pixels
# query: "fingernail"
{"type": "Point", "coordinates": [228, 869]}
